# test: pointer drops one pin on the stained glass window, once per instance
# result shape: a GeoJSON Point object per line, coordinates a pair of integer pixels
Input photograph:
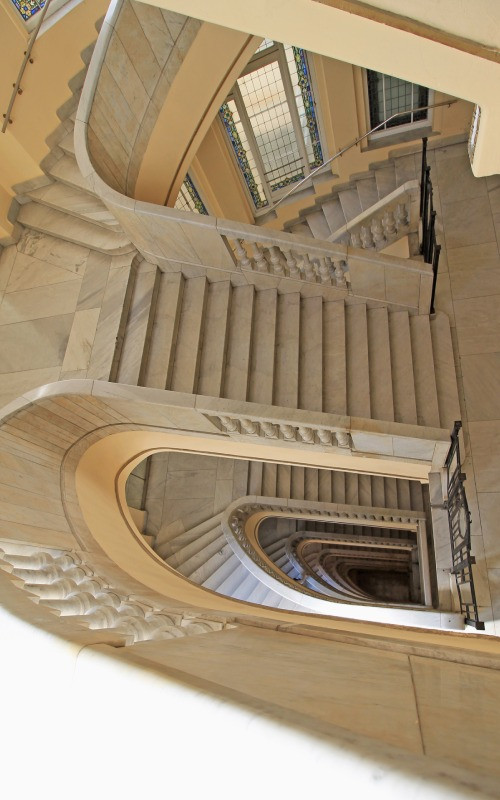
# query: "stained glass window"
{"type": "Point", "coordinates": [27, 8]}
{"type": "Point", "coordinates": [189, 198]}
{"type": "Point", "coordinates": [388, 95]}
{"type": "Point", "coordinates": [271, 122]}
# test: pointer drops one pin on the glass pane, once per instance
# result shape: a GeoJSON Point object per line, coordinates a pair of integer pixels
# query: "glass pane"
{"type": "Point", "coordinates": [265, 44]}
{"type": "Point", "coordinates": [234, 128]}
{"type": "Point", "coordinates": [388, 95]}
{"type": "Point", "coordinates": [27, 8]}
{"type": "Point", "coordinates": [189, 199]}
{"type": "Point", "coordinates": [265, 102]}
{"type": "Point", "coordinates": [299, 75]}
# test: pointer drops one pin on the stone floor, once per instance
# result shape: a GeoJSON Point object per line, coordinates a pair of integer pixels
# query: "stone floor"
{"type": "Point", "coordinates": [468, 290]}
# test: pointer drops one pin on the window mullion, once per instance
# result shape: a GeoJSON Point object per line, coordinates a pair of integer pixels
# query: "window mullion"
{"type": "Point", "coordinates": [247, 127]}
{"type": "Point", "coordinates": [292, 105]}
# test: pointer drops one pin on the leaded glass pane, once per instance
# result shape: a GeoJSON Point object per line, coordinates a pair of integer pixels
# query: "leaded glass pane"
{"type": "Point", "coordinates": [27, 8]}
{"type": "Point", "coordinates": [299, 74]}
{"type": "Point", "coordinates": [237, 136]}
{"type": "Point", "coordinates": [265, 102]}
{"type": "Point", "coordinates": [265, 44]}
{"type": "Point", "coordinates": [189, 199]}
{"type": "Point", "coordinates": [388, 95]}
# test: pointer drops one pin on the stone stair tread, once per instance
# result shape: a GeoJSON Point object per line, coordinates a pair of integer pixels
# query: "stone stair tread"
{"type": "Point", "coordinates": [260, 386]}
{"type": "Point", "coordinates": [318, 225]}
{"type": "Point", "coordinates": [334, 214]}
{"type": "Point", "coordinates": [76, 202]}
{"type": "Point", "coordinates": [236, 376]}
{"type": "Point", "coordinates": [158, 373]}
{"type": "Point", "coordinates": [223, 571]}
{"type": "Point", "coordinates": [286, 369]}
{"type": "Point", "coordinates": [207, 543]}
{"type": "Point", "coordinates": [67, 143]}
{"type": "Point", "coordinates": [350, 202]}
{"type": "Point", "coordinates": [139, 324]}
{"type": "Point", "coordinates": [381, 397]}
{"type": "Point", "coordinates": [311, 354]}
{"type": "Point", "coordinates": [424, 372]}
{"type": "Point", "coordinates": [189, 337]}
{"type": "Point", "coordinates": [72, 229]}
{"type": "Point", "coordinates": [187, 537]}
{"type": "Point", "coordinates": [213, 354]}
{"type": "Point", "coordinates": [66, 170]}
{"type": "Point", "coordinates": [385, 178]}
{"type": "Point", "coordinates": [207, 566]}
{"type": "Point", "coordinates": [446, 385]}
{"type": "Point", "coordinates": [403, 384]}
{"type": "Point", "coordinates": [357, 361]}
{"type": "Point", "coordinates": [367, 192]}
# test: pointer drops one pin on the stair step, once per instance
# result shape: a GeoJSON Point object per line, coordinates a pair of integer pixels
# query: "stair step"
{"type": "Point", "coordinates": [238, 356]}
{"type": "Point", "coordinates": [311, 354]}
{"type": "Point", "coordinates": [213, 557]}
{"type": "Point", "coordinates": [228, 563]}
{"type": "Point", "coordinates": [311, 484]}
{"type": "Point", "coordinates": [189, 337]}
{"type": "Point", "coordinates": [298, 483]}
{"type": "Point", "coordinates": [338, 487]}
{"type": "Point", "coordinates": [249, 584]}
{"type": "Point", "coordinates": [284, 480]}
{"type": "Point", "coordinates": [367, 192]}
{"type": "Point", "coordinates": [386, 180]}
{"type": "Point", "coordinates": [175, 544]}
{"type": "Point", "coordinates": [75, 202]}
{"type": "Point", "coordinates": [260, 388]}
{"type": "Point", "coordinates": [67, 143]}
{"type": "Point", "coordinates": [446, 384]}
{"type": "Point", "coordinates": [350, 202]}
{"type": "Point", "coordinates": [334, 359]}
{"type": "Point", "coordinates": [334, 214]}
{"type": "Point", "coordinates": [318, 225]}
{"type": "Point", "coordinates": [301, 229]}
{"type": "Point", "coordinates": [236, 577]}
{"type": "Point", "coordinates": [215, 337]}
{"type": "Point", "coordinates": [183, 557]}
{"type": "Point", "coordinates": [269, 479]}
{"type": "Point", "coordinates": [134, 353]}
{"type": "Point", "coordinates": [255, 478]}
{"type": "Point", "coordinates": [286, 368]}
{"type": "Point", "coordinates": [66, 170]}
{"type": "Point", "coordinates": [158, 373]}
{"type": "Point", "coordinates": [403, 384]}
{"type": "Point", "coordinates": [381, 399]}
{"type": "Point", "coordinates": [423, 370]}
{"type": "Point", "coordinates": [71, 229]}
{"type": "Point", "coordinates": [357, 363]}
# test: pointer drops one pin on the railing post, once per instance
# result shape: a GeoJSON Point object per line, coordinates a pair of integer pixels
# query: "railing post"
{"type": "Point", "coordinates": [422, 173]}
{"type": "Point", "coordinates": [435, 264]}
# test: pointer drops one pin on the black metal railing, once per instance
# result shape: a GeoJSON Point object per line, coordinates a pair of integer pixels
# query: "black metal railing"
{"type": "Point", "coordinates": [428, 245]}
{"type": "Point", "coordinates": [459, 522]}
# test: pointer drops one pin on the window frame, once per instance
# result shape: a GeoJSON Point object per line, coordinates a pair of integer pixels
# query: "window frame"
{"type": "Point", "coordinates": [275, 52]}
{"type": "Point", "coordinates": [417, 127]}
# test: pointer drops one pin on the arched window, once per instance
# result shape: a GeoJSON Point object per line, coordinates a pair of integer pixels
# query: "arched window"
{"type": "Point", "coordinates": [271, 121]}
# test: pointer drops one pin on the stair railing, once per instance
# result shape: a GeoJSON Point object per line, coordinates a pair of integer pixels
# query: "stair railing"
{"type": "Point", "coordinates": [459, 522]}
{"type": "Point", "coordinates": [7, 120]}
{"type": "Point", "coordinates": [428, 246]}
{"type": "Point", "coordinates": [343, 150]}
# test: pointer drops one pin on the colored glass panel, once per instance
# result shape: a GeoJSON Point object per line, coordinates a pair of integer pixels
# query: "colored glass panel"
{"type": "Point", "coordinates": [234, 129]}
{"type": "Point", "coordinates": [27, 8]}
{"type": "Point", "coordinates": [189, 199]}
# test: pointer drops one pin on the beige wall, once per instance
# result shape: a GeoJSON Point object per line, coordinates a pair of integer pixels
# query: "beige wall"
{"type": "Point", "coordinates": [45, 88]}
{"type": "Point", "coordinates": [340, 93]}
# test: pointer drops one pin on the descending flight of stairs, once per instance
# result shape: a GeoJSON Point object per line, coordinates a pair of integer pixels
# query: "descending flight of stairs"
{"type": "Point", "coordinates": [331, 212]}
{"type": "Point", "coordinates": [202, 554]}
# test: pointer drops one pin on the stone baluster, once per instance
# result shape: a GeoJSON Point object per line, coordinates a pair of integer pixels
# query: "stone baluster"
{"type": "Point", "coordinates": [389, 224]}
{"type": "Point", "coordinates": [401, 216]}
{"type": "Point", "coordinates": [324, 436]}
{"type": "Point", "coordinates": [242, 255]}
{"type": "Point", "coordinates": [293, 270]}
{"type": "Point", "coordinates": [356, 240]}
{"type": "Point", "coordinates": [342, 438]}
{"type": "Point", "coordinates": [271, 431]}
{"type": "Point", "coordinates": [46, 575]}
{"type": "Point", "coordinates": [276, 261]}
{"type": "Point", "coordinates": [260, 261]}
{"type": "Point", "coordinates": [377, 232]}
{"type": "Point", "coordinates": [306, 434]}
{"type": "Point", "coordinates": [34, 561]}
{"type": "Point", "coordinates": [57, 590]}
{"type": "Point", "coordinates": [340, 274]}
{"type": "Point", "coordinates": [249, 427]}
{"type": "Point", "coordinates": [324, 270]}
{"type": "Point", "coordinates": [74, 605]}
{"type": "Point", "coordinates": [366, 238]}
{"type": "Point", "coordinates": [231, 425]}
{"type": "Point", "coordinates": [309, 273]}
{"type": "Point", "coordinates": [288, 433]}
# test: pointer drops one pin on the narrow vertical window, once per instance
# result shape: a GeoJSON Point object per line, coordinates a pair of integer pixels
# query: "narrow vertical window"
{"type": "Point", "coordinates": [189, 198]}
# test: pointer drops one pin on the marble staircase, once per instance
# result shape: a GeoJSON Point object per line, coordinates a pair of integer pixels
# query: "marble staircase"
{"type": "Point", "coordinates": [370, 211]}
{"type": "Point", "coordinates": [219, 340]}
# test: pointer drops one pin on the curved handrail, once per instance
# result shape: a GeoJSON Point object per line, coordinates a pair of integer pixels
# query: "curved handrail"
{"type": "Point", "coordinates": [353, 144]}
{"type": "Point", "coordinates": [27, 57]}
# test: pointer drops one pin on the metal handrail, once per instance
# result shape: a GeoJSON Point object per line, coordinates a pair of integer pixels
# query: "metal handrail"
{"type": "Point", "coordinates": [354, 143]}
{"type": "Point", "coordinates": [27, 57]}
